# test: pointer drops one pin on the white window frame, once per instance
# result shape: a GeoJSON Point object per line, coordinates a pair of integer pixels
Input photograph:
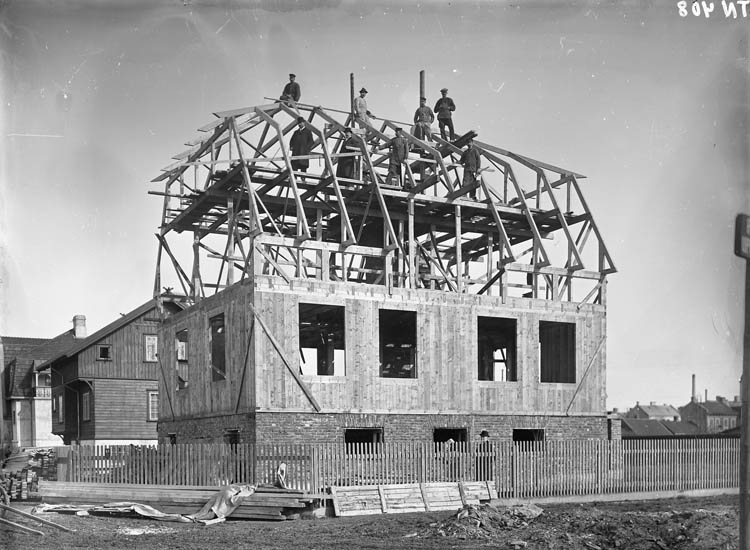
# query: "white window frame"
{"type": "Point", "coordinates": [86, 406]}
{"type": "Point", "coordinates": [150, 348]}
{"type": "Point", "coordinates": [152, 414]}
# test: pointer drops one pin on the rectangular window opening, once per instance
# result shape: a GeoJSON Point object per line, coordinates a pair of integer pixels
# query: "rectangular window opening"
{"type": "Point", "coordinates": [496, 343]}
{"type": "Point", "coordinates": [557, 352]}
{"type": "Point", "coordinates": [232, 437]}
{"type": "Point", "coordinates": [444, 435]}
{"type": "Point", "coordinates": [150, 345]}
{"type": "Point", "coordinates": [104, 352]}
{"type": "Point", "coordinates": [398, 343]}
{"type": "Point", "coordinates": [181, 339]}
{"type": "Point", "coordinates": [60, 408]}
{"type": "Point", "coordinates": [362, 440]}
{"type": "Point", "coordinates": [322, 341]}
{"type": "Point", "coordinates": [86, 406]}
{"type": "Point", "coordinates": [153, 406]}
{"type": "Point", "coordinates": [172, 439]}
{"type": "Point", "coordinates": [218, 352]}
{"type": "Point", "coordinates": [527, 435]}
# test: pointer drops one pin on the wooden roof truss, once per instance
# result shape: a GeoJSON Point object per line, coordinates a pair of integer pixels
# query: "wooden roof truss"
{"type": "Point", "coordinates": [249, 213]}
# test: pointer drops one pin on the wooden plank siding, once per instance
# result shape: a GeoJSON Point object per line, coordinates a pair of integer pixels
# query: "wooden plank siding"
{"type": "Point", "coordinates": [120, 410]}
{"type": "Point", "coordinates": [447, 371]}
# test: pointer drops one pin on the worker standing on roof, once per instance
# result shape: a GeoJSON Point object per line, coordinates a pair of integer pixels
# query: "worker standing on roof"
{"type": "Point", "coordinates": [361, 113]}
{"type": "Point", "coordinates": [301, 144]}
{"type": "Point", "coordinates": [399, 153]}
{"type": "Point", "coordinates": [346, 165]}
{"type": "Point", "coordinates": [423, 119]}
{"type": "Point", "coordinates": [444, 109]}
{"type": "Point", "coordinates": [292, 91]}
{"type": "Point", "coordinates": [472, 162]}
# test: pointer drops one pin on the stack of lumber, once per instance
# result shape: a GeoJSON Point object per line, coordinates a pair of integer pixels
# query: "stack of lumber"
{"type": "Point", "coordinates": [268, 503]}
{"type": "Point", "coordinates": [410, 497]}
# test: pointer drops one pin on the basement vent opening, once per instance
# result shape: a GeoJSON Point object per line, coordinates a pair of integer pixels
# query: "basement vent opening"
{"type": "Point", "coordinates": [398, 343]}
{"type": "Point", "coordinates": [362, 440]}
{"type": "Point", "coordinates": [322, 340]}
{"type": "Point", "coordinates": [497, 349]}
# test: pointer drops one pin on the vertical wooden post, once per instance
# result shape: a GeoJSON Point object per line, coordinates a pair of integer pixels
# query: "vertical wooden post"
{"type": "Point", "coordinates": [421, 86]}
{"type": "Point", "coordinates": [230, 244]}
{"type": "Point", "coordinates": [459, 260]}
{"type": "Point", "coordinates": [412, 245]}
{"type": "Point", "coordinates": [196, 275]}
{"type": "Point", "coordinates": [351, 97]}
{"type": "Point", "coordinates": [745, 423]}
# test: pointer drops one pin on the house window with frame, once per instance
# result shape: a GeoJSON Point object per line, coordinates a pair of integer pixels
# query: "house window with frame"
{"type": "Point", "coordinates": [86, 406]}
{"type": "Point", "coordinates": [150, 347]}
{"type": "Point", "coordinates": [218, 348]}
{"type": "Point", "coordinates": [59, 403]}
{"type": "Point", "coordinates": [153, 405]}
{"type": "Point", "coordinates": [398, 343]}
{"type": "Point", "coordinates": [181, 339]}
{"type": "Point", "coordinates": [104, 352]}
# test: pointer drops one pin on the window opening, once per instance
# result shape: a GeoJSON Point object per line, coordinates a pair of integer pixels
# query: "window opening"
{"type": "Point", "coordinates": [322, 340]}
{"type": "Point", "coordinates": [442, 435]}
{"type": "Point", "coordinates": [362, 440]}
{"type": "Point", "coordinates": [398, 343]}
{"type": "Point", "coordinates": [153, 406]}
{"type": "Point", "coordinates": [150, 344]}
{"type": "Point", "coordinates": [218, 359]}
{"type": "Point", "coordinates": [104, 352]}
{"type": "Point", "coordinates": [496, 339]}
{"type": "Point", "coordinates": [86, 406]}
{"type": "Point", "coordinates": [181, 338]}
{"type": "Point", "coordinates": [525, 435]}
{"type": "Point", "coordinates": [557, 352]}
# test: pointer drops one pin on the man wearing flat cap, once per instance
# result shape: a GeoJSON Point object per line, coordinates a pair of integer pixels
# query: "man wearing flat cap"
{"type": "Point", "coordinates": [399, 153]}
{"type": "Point", "coordinates": [301, 144]}
{"type": "Point", "coordinates": [443, 108]}
{"type": "Point", "coordinates": [423, 119]}
{"type": "Point", "coordinates": [292, 91]}
{"type": "Point", "coordinates": [361, 113]}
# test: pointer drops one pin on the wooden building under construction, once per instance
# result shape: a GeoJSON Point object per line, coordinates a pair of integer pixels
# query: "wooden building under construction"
{"type": "Point", "coordinates": [343, 309]}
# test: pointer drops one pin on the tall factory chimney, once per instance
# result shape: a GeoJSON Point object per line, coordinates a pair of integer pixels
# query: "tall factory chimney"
{"type": "Point", "coordinates": [692, 395]}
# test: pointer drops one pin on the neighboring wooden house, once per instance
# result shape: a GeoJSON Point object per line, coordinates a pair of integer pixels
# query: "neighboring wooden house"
{"type": "Point", "coordinates": [710, 416]}
{"type": "Point", "coordinates": [105, 388]}
{"type": "Point", "coordinates": [653, 411]}
{"type": "Point", "coordinates": [26, 396]}
{"type": "Point", "coordinates": [367, 313]}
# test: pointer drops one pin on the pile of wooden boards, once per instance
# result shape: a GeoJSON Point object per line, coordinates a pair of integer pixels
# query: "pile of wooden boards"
{"type": "Point", "coordinates": [267, 503]}
{"type": "Point", "coordinates": [410, 497]}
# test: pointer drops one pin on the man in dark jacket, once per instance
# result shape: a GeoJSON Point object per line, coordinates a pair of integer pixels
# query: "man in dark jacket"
{"type": "Point", "coordinates": [423, 118]}
{"type": "Point", "coordinates": [301, 144]}
{"type": "Point", "coordinates": [292, 91]}
{"type": "Point", "coordinates": [399, 153]}
{"type": "Point", "coordinates": [346, 165]}
{"type": "Point", "coordinates": [471, 161]}
{"type": "Point", "coordinates": [443, 109]}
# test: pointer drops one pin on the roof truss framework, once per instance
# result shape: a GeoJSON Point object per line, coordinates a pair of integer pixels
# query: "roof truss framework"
{"type": "Point", "coordinates": [248, 212]}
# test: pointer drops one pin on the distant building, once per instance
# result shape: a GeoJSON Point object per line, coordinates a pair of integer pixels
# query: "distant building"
{"type": "Point", "coordinates": [105, 388]}
{"type": "Point", "coordinates": [633, 428]}
{"type": "Point", "coordinates": [711, 416]}
{"type": "Point", "coordinates": [26, 396]}
{"type": "Point", "coordinates": [653, 411]}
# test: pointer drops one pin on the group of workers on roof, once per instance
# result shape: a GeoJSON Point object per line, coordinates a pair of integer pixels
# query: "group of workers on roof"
{"type": "Point", "coordinates": [302, 140]}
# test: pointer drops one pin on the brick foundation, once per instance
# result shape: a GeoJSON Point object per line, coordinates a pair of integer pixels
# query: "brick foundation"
{"type": "Point", "coordinates": [296, 428]}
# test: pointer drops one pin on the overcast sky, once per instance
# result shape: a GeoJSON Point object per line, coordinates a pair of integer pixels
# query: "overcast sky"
{"type": "Point", "coordinates": [650, 106]}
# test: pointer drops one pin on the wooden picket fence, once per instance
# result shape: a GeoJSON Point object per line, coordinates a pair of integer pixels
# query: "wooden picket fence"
{"type": "Point", "coordinates": [520, 470]}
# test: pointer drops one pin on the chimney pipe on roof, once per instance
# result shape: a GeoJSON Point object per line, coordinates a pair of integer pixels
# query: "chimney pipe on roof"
{"type": "Point", "coordinates": [79, 326]}
{"type": "Point", "coordinates": [706, 398]}
{"type": "Point", "coordinates": [692, 395]}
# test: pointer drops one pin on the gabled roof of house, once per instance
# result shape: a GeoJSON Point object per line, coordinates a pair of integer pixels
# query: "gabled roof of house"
{"type": "Point", "coordinates": [27, 351]}
{"type": "Point", "coordinates": [681, 428]}
{"type": "Point", "coordinates": [644, 427]}
{"type": "Point", "coordinates": [717, 408]}
{"type": "Point", "coordinates": [659, 410]}
{"type": "Point", "coordinates": [106, 331]}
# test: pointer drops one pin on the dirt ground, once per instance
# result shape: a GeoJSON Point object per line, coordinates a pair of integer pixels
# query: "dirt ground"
{"type": "Point", "coordinates": [682, 523]}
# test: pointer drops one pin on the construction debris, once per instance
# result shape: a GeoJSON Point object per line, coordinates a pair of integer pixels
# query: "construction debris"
{"type": "Point", "coordinates": [485, 521]}
{"type": "Point", "coordinates": [23, 469]}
